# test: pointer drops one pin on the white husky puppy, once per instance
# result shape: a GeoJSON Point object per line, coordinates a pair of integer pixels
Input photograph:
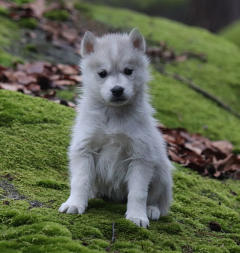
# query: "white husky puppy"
{"type": "Point", "coordinates": [116, 150]}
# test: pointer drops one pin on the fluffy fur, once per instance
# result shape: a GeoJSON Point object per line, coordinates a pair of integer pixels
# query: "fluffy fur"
{"type": "Point", "coordinates": [116, 150]}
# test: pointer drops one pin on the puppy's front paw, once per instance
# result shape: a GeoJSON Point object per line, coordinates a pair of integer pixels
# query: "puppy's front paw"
{"type": "Point", "coordinates": [69, 207]}
{"type": "Point", "coordinates": [153, 212]}
{"type": "Point", "coordinates": [139, 221]}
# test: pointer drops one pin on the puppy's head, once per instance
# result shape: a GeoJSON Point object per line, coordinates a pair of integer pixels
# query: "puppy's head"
{"type": "Point", "coordinates": [114, 67]}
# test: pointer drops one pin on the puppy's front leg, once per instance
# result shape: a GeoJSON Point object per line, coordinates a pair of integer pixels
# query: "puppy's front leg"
{"type": "Point", "coordinates": [81, 178]}
{"type": "Point", "coordinates": [139, 177]}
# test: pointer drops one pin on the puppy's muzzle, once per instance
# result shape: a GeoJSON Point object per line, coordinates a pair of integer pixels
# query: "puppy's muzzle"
{"type": "Point", "coordinates": [117, 91]}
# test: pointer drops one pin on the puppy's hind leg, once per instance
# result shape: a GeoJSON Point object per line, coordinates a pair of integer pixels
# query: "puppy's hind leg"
{"type": "Point", "coordinates": [160, 194]}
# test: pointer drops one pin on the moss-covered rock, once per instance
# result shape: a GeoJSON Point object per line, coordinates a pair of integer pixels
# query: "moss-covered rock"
{"type": "Point", "coordinates": [34, 138]}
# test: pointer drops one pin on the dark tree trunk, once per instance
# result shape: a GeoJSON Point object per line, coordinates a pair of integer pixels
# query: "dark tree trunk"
{"type": "Point", "coordinates": [213, 14]}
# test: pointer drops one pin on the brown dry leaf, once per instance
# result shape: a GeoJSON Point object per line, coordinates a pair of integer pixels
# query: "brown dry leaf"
{"type": "Point", "coordinates": [51, 94]}
{"type": "Point", "coordinates": [14, 87]}
{"type": "Point", "coordinates": [35, 68]}
{"type": "Point", "coordinates": [10, 86]}
{"type": "Point", "coordinates": [71, 35]}
{"type": "Point", "coordinates": [63, 83]}
{"type": "Point", "coordinates": [169, 139]}
{"type": "Point", "coordinates": [224, 146]}
{"type": "Point", "coordinates": [175, 157]}
{"type": "Point", "coordinates": [35, 88]}
{"type": "Point", "coordinates": [228, 162]}
{"type": "Point", "coordinates": [22, 78]}
{"type": "Point", "coordinates": [195, 147]}
{"type": "Point", "coordinates": [64, 102]}
{"type": "Point", "coordinates": [38, 8]}
{"type": "Point", "coordinates": [6, 4]}
{"type": "Point", "coordinates": [209, 158]}
{"type": "Point", "coordinates": [168, 54]}
{"type": "Point", "coordinates": [181, 58]}
{"type": "Point", "coordinates": [55, 77]}
{"type": "Point", "coordinates": [67, 70]}
{"type": "Point", "coordinates": [9, 76]}
{"type": "Point", "coordinates": [164, 53]}
{"type": "Point", "coordinates": [76, 78]}
{"type": "Point", "coordinates": [2, 68]}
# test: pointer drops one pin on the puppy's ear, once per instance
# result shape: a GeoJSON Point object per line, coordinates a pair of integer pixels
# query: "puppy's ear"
{"type": "Point", "coordinates": [137, 40]}
{"type": "Point", "coordinates": [88, 44]}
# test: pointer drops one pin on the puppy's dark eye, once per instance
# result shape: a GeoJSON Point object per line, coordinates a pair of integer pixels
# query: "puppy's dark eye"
{"type": "Point", "coordinates": [103, 73]}
{"type": "Point", "coordinates": [128, 71]}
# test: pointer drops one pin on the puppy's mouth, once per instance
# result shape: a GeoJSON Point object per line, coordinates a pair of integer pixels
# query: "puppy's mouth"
{"type": "Point", "coordinates": [118, 101]}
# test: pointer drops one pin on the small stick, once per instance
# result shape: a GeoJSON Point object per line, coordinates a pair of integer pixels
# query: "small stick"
{"type": "Point", "coordinates": [113, 233]}
{"type": "Point", "coordinates": [201, 91]}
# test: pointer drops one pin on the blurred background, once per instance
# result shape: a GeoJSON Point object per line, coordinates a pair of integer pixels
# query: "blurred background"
{"type": "Point", "coordinates": [212, 15]}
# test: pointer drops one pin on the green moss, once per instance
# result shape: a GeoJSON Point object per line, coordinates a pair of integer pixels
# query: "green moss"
{"type": "Point", "coordinates": [7, 59]}
{"type": "Point", "coordinates": [234, 249]}
{"type": "Point", "coordinates": [170, 228]}
{"type": "Point", "coordinates": [9, 32]}
{"type": "Point", "coordinates": [68, 94]}
{"type": "Point", "coordinates": [47, 183]}
{"type": "Point", "coordinates": [31, 48]}
{"type": "Point", "coordinates": [30, 23]}
{"type": "Point", "coordinates": [82, 7]}
{"type": "Point", "coordinates": [33, 147]}
{"type": "Point", "coordinates": [59, 15]}
{"type": "Point", "coordinates": [20, 2]}
{"type": "Point", "coordinates": [175, 106]}
{"type": "Point", "coordinates": [4, 11]}
{"type": "Point", "coordinates": [232, 33]}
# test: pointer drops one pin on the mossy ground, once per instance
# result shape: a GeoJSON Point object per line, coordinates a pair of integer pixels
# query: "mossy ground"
{"type": "Point", "coordinates": [30, 23]}
{"type": "Point", "coordinates": [9, 32]}
{"type": "Point", "coordinates": [58, 15]}
{"type": "Point", "coordinates": [232, 33]}
{"type": "Point", "coordinates": [34, 138]}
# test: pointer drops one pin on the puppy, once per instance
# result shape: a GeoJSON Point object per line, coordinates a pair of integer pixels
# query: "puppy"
{"type": "Point", "coordinates": [116, 150]}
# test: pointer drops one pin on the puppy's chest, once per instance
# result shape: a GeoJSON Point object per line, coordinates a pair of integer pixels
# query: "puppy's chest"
{"type": "Point", "coordinates": [112, 153]}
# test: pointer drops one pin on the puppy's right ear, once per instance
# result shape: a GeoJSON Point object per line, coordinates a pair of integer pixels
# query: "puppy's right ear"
{"type": "Point", "coordinates": [137, 40]}
{"type": "Point", "coordinates": [88, 44]}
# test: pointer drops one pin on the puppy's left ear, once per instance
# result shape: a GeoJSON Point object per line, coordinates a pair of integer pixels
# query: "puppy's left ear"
{"type": "Point", "coordinates": [88, 43]}
{"type": "Point", "coordinates": [137, 40]}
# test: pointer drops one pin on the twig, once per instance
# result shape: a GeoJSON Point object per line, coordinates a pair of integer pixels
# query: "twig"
{"type": "Point", "coordinates": [113, 233]}
{"type": "Point", "coordinates": [201, 91]}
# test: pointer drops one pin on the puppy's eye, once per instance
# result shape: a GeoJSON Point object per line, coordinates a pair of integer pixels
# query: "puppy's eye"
{"type": "Point", "coordinates": [103, 73]}
{"type": "Point", "coordinates": [128, 71]}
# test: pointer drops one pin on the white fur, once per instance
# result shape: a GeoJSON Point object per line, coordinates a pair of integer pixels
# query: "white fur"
{"type": "Point", "coordinates": [116, 150]}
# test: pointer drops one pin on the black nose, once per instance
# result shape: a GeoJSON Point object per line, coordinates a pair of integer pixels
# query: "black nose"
{"type": "Point", "coordinates": [117, 91]}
